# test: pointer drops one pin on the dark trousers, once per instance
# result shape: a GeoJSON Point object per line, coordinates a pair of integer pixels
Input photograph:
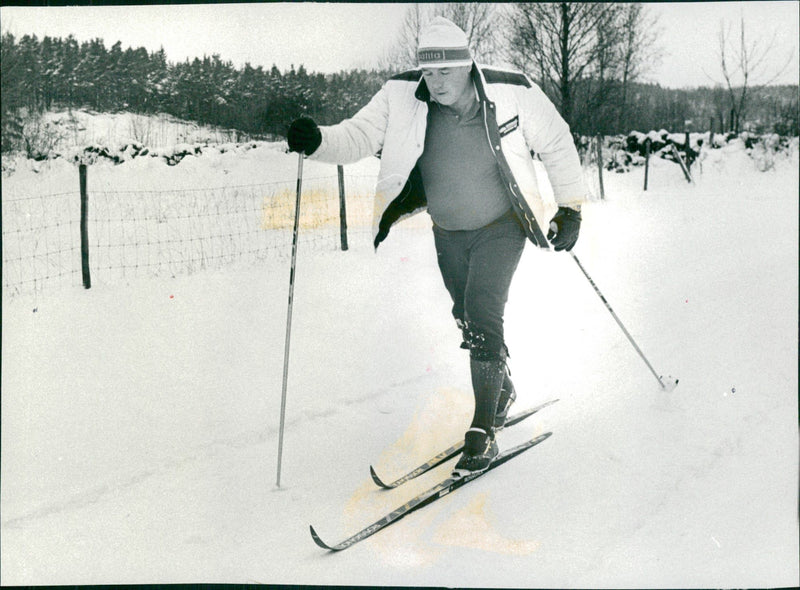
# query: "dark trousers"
{"type": "Point", "coordinates": [477, 267]}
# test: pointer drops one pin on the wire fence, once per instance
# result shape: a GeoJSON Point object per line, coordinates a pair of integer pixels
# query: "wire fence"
{"type": "Point", "coordinates": [166, 233]}
{"type": "Point", "coordinates": [41, 241]}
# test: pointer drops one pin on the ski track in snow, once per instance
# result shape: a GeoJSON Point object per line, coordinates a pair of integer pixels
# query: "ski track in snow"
{"type": "Point", "coordinates": [140, 420]}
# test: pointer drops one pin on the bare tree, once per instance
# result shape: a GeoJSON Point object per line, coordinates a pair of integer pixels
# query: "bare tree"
{"type": "Point", "coordinates": [744, 66]}
{"type": "Point", "coordinates": [638, 49]}
{"type": "Point", "coordinates": [403, 53]}
{"type": "Point", "coordinates": [476, 19]}
{"type": "Point", "coordinates": [560, 43]}
{"type": "Point", "coordinates": [585, 55]}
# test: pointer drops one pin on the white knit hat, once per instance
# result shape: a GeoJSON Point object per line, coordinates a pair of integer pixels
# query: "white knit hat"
{"type": "Point", "coordinates": [443, 45]}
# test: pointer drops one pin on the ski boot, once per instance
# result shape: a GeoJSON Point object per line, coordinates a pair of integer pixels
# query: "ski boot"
{"type": "Point", "coordinates": [480, 449]}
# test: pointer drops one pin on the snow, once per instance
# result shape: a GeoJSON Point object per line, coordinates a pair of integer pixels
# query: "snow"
{"type": "Point", "coordinates": [140, 418]}
{"type": "Point", "coordinates": [84, 127]}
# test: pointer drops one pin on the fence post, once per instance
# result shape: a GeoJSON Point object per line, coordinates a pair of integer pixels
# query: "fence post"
{"type": "Point", "coordinates": [646, 160]}
{"type": "Point", "coordinates": [342, 209]}
{"type": "Point", "coordinates": [688, 147]}
{"type": "Point", "coordinates": [678, 157]}
{"type": "Point", "coordinates": [600, 165]}
{"type": "Point", "coordinates": [711, 133]}
{"type": "Point", "coordinates": [87, 280]}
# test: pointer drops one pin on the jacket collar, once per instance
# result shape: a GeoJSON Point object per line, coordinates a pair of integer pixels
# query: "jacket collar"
{"type": "Point", "coordinates": [422, 93]}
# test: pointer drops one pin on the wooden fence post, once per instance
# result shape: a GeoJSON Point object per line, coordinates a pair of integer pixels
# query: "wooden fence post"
{"type": "Point", "coordinates": [87, 280]}
{"type": "Point", "coordinates": [677, 155]}
{"type": "Point", "coordinates": [342, 209]}
{"type": "Point", "coordinates": [600, 165]}
{"type": "Point", "coordinates": [711, 133]}
{"type": "Point", "coordinates": [688, 147]}
{"type": "Point", "coordinates": [646, 160]}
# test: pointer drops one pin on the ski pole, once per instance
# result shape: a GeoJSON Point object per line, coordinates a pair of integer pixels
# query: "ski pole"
{"type": "Point", "coordinates": [289, 311]}
{"type": "Point", "coordinates": [670, 382]}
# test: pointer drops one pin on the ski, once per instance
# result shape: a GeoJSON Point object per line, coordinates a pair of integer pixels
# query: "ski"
{"type": "Point", "coordinates": [450, 451]}
{"type": "Point", "coordinates": [442, 489]}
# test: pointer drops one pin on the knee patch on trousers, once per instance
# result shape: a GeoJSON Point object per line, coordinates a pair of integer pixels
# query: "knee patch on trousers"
{"type": "Point", "coordinates": [479, 348]}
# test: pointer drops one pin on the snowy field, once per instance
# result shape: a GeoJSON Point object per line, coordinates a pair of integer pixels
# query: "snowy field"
{"type": "Point", "coordinates": [140, 418]}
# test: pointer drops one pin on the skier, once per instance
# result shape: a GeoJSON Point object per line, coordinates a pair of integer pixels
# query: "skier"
{"type": "Point", "coordinates": [458, 138]}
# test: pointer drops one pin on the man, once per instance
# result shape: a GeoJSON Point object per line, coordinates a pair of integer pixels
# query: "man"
{"type": "Point", "coordinates": [458, 139]}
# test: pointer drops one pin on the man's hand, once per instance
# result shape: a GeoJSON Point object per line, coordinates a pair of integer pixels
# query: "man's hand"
{"type": "Point", "coordinates": [564, 228]}
{"type": "Point", "coordinates": [304, 136]}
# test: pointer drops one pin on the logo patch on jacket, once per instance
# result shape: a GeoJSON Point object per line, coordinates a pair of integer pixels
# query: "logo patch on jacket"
{"type": "Point", "coordinates": [509, 126]}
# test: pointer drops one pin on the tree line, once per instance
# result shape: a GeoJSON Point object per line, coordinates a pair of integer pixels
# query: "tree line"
{"type": "Point", "coordinates": [42, 74]}
{"type": "Point", "coordinates": [589, 58]}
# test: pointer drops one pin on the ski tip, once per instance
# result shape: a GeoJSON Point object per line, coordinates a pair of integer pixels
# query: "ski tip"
{"type": "Point", "coordinates": [378, 481]}
{"type": "Point", "coordinates": [319, 541]}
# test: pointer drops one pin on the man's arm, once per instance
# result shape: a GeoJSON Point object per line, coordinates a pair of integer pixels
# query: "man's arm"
{"type": "Point", "coordinates": [358, 137]}
{"type": "Point", "coordinates": [549, 136]}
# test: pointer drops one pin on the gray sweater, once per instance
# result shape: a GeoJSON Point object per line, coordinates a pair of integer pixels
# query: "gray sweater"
{"type": "Point", "coordinates": [461, 177]}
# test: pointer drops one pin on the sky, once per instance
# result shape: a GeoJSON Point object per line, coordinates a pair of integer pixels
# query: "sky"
{"type": "Point", "coordinates": [329, 37]}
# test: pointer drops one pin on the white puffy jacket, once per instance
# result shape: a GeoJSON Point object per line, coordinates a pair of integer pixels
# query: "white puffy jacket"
{"type": "Point", "coordinates": [518, 119]}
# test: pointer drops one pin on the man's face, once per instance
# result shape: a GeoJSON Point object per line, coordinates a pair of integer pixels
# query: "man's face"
{"type": "Point", "coordinates": [447, 85]}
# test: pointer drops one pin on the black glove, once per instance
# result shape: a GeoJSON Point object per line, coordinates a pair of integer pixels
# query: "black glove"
{"type": "Point", "coordinates": [304, 136]}
{"type": "Point", "coordinates": [564, 228]}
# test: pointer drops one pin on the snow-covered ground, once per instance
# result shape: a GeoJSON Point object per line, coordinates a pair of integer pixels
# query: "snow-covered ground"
{"type": "Point", "coordinates": [80, 127]}
{"type": "Point", "coordinates": [140, 418]}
